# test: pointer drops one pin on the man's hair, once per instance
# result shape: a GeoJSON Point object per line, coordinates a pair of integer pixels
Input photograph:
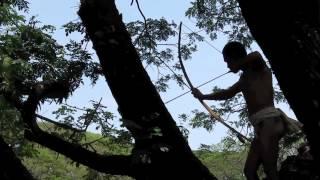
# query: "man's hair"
{"type": "Point", "coordinates": [234, 50]}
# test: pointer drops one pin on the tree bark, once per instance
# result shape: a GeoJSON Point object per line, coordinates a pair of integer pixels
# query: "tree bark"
{"type": "Point", "coordinates": [10, 166]}
{"type": "Point", "coordinates": [161, 151]}
{"type": "Point", "coordinates": [288, 32]}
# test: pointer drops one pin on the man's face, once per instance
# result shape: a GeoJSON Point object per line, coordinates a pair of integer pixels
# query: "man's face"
{"type": "Point", "coordinates": [231, 64]}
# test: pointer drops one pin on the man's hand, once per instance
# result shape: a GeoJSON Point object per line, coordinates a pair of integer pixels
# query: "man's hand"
{"type": "Point", "coordinates": [197, 94]}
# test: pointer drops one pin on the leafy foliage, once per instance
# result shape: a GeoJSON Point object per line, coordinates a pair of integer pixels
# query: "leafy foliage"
{"type": "Point", "coordinates": [11, 130]}
{"type": "Point", "coordinates": [97, 115]}
{"type": "Point", "coordinates": [30, 55]}
{"type": "Point", "coordinates": [220, 16]}
{"type": "Point", "coordinates": [224, 162]}
{"type": "Point", "coordinates": [151, 41]}
{"type": "Point", "coordinates": [20, 4]}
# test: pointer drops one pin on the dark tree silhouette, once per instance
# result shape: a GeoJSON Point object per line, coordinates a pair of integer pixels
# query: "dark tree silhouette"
{"type": "Point", "coordinates": [160, 150]}
{"type": "Point", "coordinates": [10, 166]}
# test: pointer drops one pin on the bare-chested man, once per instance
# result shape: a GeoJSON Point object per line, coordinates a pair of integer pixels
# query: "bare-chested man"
{"type": "Point", "coordinates": [255, 84]}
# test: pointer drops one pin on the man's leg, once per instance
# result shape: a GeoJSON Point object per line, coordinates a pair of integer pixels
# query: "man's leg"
{"type": "Point", "coordinates": [253, 161]}
{"type": "Point", "coordinates": [271, 132]}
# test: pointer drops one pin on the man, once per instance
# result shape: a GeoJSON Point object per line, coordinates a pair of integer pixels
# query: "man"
{"type": "Point", "coordinates": [255, 84]}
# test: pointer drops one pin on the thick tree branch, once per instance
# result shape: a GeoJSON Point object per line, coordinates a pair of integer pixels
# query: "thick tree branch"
{"type": "Point", "coordinates": [114, 164]}
{"type": "Point", "coordinates": [119, 165]}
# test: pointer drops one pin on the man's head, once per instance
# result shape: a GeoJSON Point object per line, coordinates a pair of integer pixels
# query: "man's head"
{"type": "Point", "coordinates": [232, 52]}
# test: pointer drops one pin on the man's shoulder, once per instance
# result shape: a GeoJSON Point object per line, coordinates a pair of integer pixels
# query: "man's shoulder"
{"type": "Point", "coordinates": [267, 70]}
{"type": "Point", "coordinates": [255, 73]}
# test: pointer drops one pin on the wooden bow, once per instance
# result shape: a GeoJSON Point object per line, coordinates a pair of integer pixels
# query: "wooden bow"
{"type": "Point", "coordinates": [216, 116]}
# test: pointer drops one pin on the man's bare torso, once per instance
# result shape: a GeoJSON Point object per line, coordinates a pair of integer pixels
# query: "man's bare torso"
{"type": "Point", "coordinates": [257, 89]}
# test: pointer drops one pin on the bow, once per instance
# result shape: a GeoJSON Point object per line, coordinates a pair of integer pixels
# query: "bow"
{"type": "Point", "coordinates": [216, 116]}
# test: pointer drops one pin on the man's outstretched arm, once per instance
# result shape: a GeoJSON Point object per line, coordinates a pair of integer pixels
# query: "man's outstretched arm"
{"type": "Point", "coordinates": [223, 94]}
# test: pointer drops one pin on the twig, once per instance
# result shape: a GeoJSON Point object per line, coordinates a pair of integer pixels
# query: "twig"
{"type": "Point", "coordinates": [88, 121]}
{"type": "Point", "coordinates": [91, 142]}
{"type": "Point", "coordinates": [59, 124]}
{"type": "Point", "coordinates": [81, 109]}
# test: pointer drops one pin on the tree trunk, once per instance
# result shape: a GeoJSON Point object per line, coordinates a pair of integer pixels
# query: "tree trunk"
{"type": "Point", "coordinates": [160, 152]}
{"type": "Point", "coordinates": [10, 166]}
{"type": "Point", "coordinates": [288, 32]}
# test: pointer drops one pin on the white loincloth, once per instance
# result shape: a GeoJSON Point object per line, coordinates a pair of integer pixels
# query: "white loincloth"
{"type": "Point", "coordinates": [292, 126]}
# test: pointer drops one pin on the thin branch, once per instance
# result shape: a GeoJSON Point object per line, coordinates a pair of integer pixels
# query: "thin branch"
{"type": "Point", "coordinates": [87, 120]}
{"type": "Point", "coordinates": [91, 142]}
{"type": "Point", "coordinates": [74, 107]}
{"type": "Point", "coordinates": [143, 16]}
{"type": "Point", "coordinates": [166, 44]}
{"type": "Point", "coordinates": [65, 126]}
{"type": "Point", "coordinates": [175, 74]}
{"type": "Point", "coordinates": [203, 39]}
{"type": "Point", "coordinates": [145, 21]}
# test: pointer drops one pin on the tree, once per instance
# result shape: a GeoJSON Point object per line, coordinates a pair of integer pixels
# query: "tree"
{"type": "Point", "coordinates": [160, 150]}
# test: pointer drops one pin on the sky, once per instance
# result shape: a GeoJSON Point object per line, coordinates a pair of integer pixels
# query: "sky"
{"type": "Point", "coordinates": [206, 63]}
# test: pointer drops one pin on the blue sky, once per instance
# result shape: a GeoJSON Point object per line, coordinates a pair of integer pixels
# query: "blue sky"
{"type": "Point", "coordinates": [206, 63]}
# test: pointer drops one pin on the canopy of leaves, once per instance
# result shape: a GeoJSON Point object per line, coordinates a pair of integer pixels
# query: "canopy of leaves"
{"type": "Point", "coordinates": [29, 55]}
{"type": "Point", "coordinates": [217, 16]}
